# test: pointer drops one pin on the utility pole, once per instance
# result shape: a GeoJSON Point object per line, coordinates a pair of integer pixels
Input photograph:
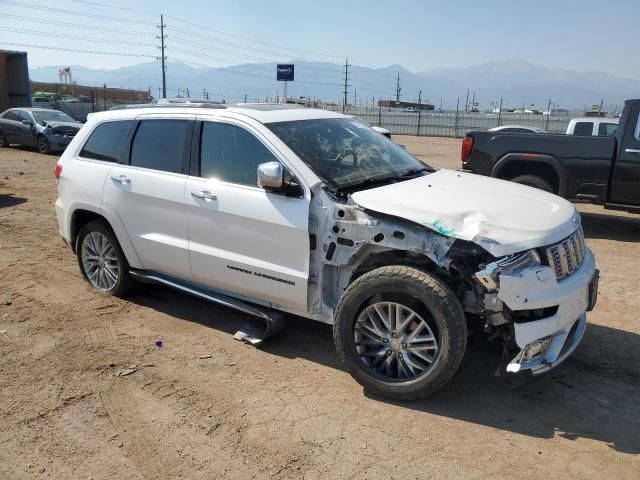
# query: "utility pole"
{"type": "Point", "coordinates": [420, 97]}
{"type": "Point", "coordinates": [188, 96]}
{"type": "Point", "coordinates": [355, 97]}
{"type": "Point", "coordinates": [163, 57]}
{"type": "Point", "coordinates": [345, 92]}
{"type": "Point", "coordinates": [245, 98]}
{"type": "Point", "coordinates": [466, 103]}
{"type": "Point", "coordinates": [473, 101]}
{"type": "Point", "coordinates": [398, 88]}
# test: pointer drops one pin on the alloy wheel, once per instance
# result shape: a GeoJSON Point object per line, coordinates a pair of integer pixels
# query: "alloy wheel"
{"type": "Point", "coordinates": [99, 261]}
{"type": "Point", "coordinates": [395, 341]}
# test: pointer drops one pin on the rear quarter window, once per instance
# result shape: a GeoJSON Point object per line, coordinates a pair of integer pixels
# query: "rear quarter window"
{"type": "Point", "coordinates": [583, 128]}
{"type": "Point", "coordinates": [107, 142]}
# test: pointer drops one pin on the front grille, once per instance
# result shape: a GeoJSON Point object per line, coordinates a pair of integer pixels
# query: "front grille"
{"type": "Point", "coordinates": [565, 257]}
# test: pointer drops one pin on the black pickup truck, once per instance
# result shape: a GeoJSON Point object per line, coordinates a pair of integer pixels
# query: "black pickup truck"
{"type": "Point", "coordinates": [602, 170]}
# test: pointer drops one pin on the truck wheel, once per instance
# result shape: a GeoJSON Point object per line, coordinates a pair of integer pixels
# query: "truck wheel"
{"type": "Point", "coordinates": [533, 181]}
{"type": "Point", "coordinates": [101, 260]}
{"type": "Point", "coordinates": [43, 145]}
{"type": "Point", "coordinates": [400, 332]}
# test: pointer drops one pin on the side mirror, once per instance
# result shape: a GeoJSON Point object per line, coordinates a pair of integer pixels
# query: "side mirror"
{"type": "Point", "coordinates": [27, 122]}
{"type": "Point", "coordinates": [270, 175]}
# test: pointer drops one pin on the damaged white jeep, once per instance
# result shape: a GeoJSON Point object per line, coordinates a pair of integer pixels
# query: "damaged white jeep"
{"type": "Point", "coordinates": [269, 209]}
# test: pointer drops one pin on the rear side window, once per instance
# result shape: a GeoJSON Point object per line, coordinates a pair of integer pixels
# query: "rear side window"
{"type": "Point", "coordinates": [160, 145]}
{"type": "Point", "coordinates": [231, 154]}
{"type": "Point", "coordinates": [606, 129]}
{"type": "Point", "coordinates": [107, 141]}
{"type": "Point", "coordinates": [583, 128]}
{"type": "Point", "coordinates": [637, 132]}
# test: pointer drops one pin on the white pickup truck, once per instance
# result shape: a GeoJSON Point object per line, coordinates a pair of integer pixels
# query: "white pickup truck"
{"type": "Point", "coordinates": [272, 208]}
{"type": "Point", "coordinates": [592, 126]}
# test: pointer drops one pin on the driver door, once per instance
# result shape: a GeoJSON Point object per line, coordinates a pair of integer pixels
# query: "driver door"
{"type": "Point", "coordinates": [243, 239]}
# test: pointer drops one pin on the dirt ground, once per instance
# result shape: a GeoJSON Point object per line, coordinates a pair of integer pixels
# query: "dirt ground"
{"type": "Point", "coordinates": [206, 406]}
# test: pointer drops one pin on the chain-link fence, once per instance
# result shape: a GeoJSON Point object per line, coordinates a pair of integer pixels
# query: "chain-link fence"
{"type": "Point", "coordinates": [451, 124]}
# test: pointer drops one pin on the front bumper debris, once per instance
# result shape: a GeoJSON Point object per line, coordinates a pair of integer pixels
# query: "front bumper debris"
{"type": "Point", "coordinates": [548, 341]}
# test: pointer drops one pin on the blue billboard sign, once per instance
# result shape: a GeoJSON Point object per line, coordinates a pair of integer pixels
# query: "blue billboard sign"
{"type": "Point", "coordinates": [285, 72]}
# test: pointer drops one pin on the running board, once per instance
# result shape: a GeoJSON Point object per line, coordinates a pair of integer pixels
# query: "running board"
{"type": "Point", "coordinates": [255, 330]}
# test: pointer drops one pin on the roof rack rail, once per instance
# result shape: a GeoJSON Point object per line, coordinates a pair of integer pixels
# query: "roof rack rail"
{"type": "Point", "coordinates": [168, 105]}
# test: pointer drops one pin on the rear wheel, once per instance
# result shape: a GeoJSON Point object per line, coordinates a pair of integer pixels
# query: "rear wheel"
{"type": "Point", "coordinates": [102, 261]}
{"type": "Point", "coordinates": [533, 181]}
{"type": "Point", "coordinates": [43, 145]}
{"type": "Point", "coordinates": [3, 141]}
{"type": "Point", "coordinates": [400, 332]}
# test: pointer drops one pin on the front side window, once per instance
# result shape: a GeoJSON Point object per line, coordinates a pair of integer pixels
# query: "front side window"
{"type": "Point", "coordinates": [584, 129]}
{"type": "Point", "coordinates": [159, 145]}
{"type": "Point", "coordinates": [107, 142]}
{"type": "Point", "coordinates": [231, 154]}
{"type": "Point", "coordinates": [606, 129]}
{"type": "Point", "coordinates": [347, 154]}
{"type": "Point", "coordinates": [637, 132]}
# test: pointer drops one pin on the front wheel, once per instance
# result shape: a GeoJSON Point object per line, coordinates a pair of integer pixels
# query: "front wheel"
{"type": "Point", "coordinates": [101, 260]}
{"type": "Point", "coordinates": [400, 332]}
{"type": "Point", "coordinates": [43, 145]}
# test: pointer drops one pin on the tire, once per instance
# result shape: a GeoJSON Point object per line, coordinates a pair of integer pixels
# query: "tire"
{"type": "Point", "coordinates": [438, 315]}
{"type": "Point", "coordinates": [109, 272]}
{"type": "Point", "coordinates": [3, 141]}
{"type": "Point", "coordinates": [533, 181]}
{"type": "Point", "coordinates": [43, 145]}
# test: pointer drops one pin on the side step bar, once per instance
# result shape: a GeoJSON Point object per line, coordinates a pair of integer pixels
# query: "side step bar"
{"type": "Point", "coordinates": [255, 330]}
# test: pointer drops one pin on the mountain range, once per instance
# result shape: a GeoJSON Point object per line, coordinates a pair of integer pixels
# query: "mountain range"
{"type": "Point", "coordinates": [517, 82]}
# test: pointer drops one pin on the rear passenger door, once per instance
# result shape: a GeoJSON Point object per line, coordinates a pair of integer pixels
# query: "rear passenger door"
{"type": "Point", "coordinates": [243, 239]}
{"type": "Point", "coordinates": [147, 193]}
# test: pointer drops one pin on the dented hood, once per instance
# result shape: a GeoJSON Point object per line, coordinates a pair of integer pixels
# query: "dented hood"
{"type": "Point", "coordinates": [500, 216]}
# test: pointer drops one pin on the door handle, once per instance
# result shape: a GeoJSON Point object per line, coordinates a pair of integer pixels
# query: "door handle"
{"type": "Point", "coordinates": [204, 194]}
{"type": "Point", "coordinates": [121, 179]}
{"type": "Point", "coordinates": [632, 150]}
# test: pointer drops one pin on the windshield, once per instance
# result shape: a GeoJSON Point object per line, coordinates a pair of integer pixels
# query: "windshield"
{"type": "Point", "coordinates": [346, 153]}
{"type": "Point", "coordinates": [52, 116]}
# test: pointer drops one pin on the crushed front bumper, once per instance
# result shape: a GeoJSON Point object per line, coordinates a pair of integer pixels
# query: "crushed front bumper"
{"type": "Point", "coordinates": [548, 341]}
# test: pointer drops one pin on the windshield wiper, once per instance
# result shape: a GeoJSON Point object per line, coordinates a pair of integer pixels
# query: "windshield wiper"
{"type": "Point", "coordinates": [414, 171]}
{"type": "Point", "coordinates": [367, 182]}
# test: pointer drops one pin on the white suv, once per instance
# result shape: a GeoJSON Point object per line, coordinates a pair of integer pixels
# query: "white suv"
{"type": "Point", "coordinates": [269, 208]}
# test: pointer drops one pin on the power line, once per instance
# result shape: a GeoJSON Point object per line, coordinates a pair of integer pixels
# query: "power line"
{"type": "Point", "coordinates": [75, 12]}
{"type": "Point", "coordinates": [208, 28]}
{"type": "Point", "coordinates": [74, 25]}
{"type": "Point", "coordinates": [116, 7]}
{"type": "Point", "coordinates": [96, 52]}
{"type": "Point", "coordinates": [76, 37]}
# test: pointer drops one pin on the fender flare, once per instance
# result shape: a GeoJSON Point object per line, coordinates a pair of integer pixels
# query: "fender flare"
{"type": "Point", "coordinates": [553, 162]}
{"type": "Point", "coordinates": [116, 225]}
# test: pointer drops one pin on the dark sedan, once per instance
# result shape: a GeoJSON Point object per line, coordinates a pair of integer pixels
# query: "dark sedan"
{"type": "Point", "coordinates": [47, 130]}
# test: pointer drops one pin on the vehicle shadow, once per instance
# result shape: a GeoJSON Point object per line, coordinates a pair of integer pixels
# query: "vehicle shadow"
{"type": "Point", "coordinates": [594, 394]}
{"type": "Point", "coordinates": [9, 200]}
{"type": "Point", "coordinates": [611, 227]}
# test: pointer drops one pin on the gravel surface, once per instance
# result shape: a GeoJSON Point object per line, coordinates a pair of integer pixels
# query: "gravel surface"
{"type": "Point", "coordinates": [86, 393]}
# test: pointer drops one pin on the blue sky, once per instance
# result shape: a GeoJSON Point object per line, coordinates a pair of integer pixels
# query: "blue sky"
{"type": "Point", "coordinates": [419, 35]}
